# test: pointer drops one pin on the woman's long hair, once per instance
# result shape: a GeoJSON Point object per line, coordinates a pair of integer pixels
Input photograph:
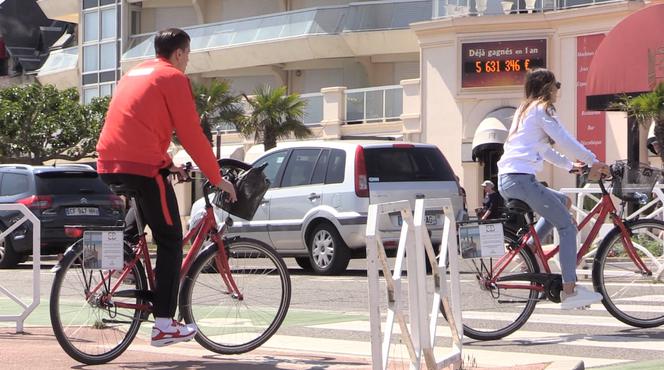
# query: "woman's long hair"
{"type": "Point", "coordinates": [539, 90]}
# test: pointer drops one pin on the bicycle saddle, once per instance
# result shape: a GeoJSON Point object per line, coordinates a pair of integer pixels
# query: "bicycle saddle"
{"type": "Point", "coordinates": [122, 189]}
{"type": "Point", "coordinates": [517, 206]}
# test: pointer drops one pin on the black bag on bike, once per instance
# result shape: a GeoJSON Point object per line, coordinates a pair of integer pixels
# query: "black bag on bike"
{"type": "Point", "coordinates": [250, 187]}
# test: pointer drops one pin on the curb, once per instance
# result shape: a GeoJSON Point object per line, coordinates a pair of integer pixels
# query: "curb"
{"type": "Point", "coordinates": [566, 365]}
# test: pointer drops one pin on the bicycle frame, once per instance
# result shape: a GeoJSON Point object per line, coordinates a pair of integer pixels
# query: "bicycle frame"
{"type": "Point", "coordinates": [602, 209]}
{"type": "Point", "coordinates": [197, 235]}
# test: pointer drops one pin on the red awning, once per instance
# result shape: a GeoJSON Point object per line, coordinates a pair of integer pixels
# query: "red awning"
{"type": "Point", "coordinates": [630, 59]}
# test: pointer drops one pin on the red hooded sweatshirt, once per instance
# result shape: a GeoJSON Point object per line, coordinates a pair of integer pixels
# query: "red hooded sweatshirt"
{"type": "Point", "coordinates": [151, 101]}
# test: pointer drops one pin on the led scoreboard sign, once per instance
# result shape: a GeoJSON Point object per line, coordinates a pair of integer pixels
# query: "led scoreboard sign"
{"type": "Point", "coordinates": [500, 63]}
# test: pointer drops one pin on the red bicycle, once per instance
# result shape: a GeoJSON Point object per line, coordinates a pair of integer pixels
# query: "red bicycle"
{"type": "Point", "coordinates": [236, 290]}
{"type": "Point", "coordinates": [499, 294]}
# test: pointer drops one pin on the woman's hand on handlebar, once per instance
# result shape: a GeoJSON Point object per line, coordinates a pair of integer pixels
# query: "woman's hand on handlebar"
{"type": "Point", "coordinates": [598, 171]}
{"type": "Point", "coordinates": [227, 187]}
{"type": "Point", "coordinates": [579, 168]}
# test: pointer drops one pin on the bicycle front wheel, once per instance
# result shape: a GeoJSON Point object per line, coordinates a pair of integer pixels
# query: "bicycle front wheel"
{"type": "Point", "coordinates": [492, 312]}
{"type": "Point", "coordinates": [89, 326]}
{"type": "Point", "coordinates": [229, 323]}
{"type": "Point", "coordinates": [632, 295]}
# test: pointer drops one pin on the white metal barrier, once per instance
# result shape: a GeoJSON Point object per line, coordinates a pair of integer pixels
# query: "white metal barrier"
{"type": "Point", "coordinates": [36, 263]}
{"type": "Point", "coordinates": [414, 240]}
{"type": "Point", "coordinates": [591, 192]}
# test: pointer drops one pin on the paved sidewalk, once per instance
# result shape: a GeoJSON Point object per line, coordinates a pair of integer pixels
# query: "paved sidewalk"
{"type": "Point", "coordinates": [37, 348]}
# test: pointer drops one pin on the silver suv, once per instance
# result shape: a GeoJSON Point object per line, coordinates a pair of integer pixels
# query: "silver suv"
{"type": "Point", "coordinates": [316, 208]}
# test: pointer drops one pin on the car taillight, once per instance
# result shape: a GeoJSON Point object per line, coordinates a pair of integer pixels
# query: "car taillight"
{"type": "Point", "coordinates": [117, 202]}
{"type": "Point", "coordinates": [361, 183]}
{"type": "Point", "coordinates": [37, 201]}
{"type": "Point", "coordinates": [73, 232]}
{"type": "Point", "coordinates": [402, 146]}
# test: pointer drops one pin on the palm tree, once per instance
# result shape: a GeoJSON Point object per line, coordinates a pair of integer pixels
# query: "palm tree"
{"type": "Point", "coordinates": [217, 106]}
{"type": "Point", "coordinates": [646, 108]}
{"type": "Point", "coordinates": [275, 115]}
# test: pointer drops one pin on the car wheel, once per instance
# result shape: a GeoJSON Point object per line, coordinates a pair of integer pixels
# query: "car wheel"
{"type": "Point", "coordinates": [8, 257]}
{"type": "Point", "coordinates": [304, 263]}
{"type": "Point", "coordinates": [328, 253]}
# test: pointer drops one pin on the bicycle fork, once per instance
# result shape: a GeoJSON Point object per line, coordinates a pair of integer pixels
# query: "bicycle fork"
{"type": "Point", "coordinates": [221, 262]}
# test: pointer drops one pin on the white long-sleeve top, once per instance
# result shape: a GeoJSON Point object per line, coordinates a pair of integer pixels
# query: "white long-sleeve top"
{"type": "Point", "coordinates": [529, 144]}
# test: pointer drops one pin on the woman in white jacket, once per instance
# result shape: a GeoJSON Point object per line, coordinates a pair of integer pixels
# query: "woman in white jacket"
{"type": "Point", "coordinates": [535, 128]}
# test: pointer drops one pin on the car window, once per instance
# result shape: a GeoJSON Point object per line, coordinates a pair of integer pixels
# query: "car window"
{"type": "Point", "coordinates": [321, 168]}
{"type": "Point", "coordinates": [70, 182]}
{"type": "Point", "coordinates": [274, 162]}
{"type": "Point", "coordinates": [13, 183]}
{"type": "Point", "coordinates": [336, 167]}
{"type": "Point", "coordinates": [407, 164]}
{"type": "Point", "coordinates": [300, 167]}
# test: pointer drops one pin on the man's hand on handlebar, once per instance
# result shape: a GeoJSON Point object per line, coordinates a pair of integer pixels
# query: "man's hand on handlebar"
{"type": "Point", "coordinates": [227, 187]}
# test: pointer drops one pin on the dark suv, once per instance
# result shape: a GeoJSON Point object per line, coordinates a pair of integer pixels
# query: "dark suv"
{"type": "Point", "coordinates": [58, 196]}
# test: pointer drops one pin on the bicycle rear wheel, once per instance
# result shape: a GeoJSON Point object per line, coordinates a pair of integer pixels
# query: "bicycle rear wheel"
{"type": "Point", "coordinates": [490, 313]}
{"type": "Point", "coordinates": [631, 295]}
{"type": "Point", "coordinates": [229, 324]}
{"type": "Point", "coordinates": [91, 330]}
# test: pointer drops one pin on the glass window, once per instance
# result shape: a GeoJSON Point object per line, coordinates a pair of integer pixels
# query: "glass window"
{"type": "Point", "coordinates": [107, 56]}
{"type": "Point", "coordinates": [13, 183]}
{"type": "Point", "coordinates": [135, 23]}
{"type": "Point", "coordinates": [90, 4]}
{"type": "Point", "coordinates": [89, 93]}
{"type": "Point", "coordinates": [105, 90]}
{"type": "Point", "coordinates": [407, 164]}
{"type": "Point", "coordinates": [90, 58]}
{"type": "Point", "coordinates": [274, 162]}
{"type": "Point", "coordinates": [70, 182]}
{"type": "Point", "coordinates": [321, 168]}
{"type": "Point", "coordinates": [90, 26]}
{"type": "Point", "coordinates": [108, 21]}
{"type": "Point", "coordinates": [300, 167]}
{"type": "Point", "coordinates": [336, 167]}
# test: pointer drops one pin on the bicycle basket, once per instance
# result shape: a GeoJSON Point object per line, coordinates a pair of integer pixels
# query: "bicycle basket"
{"type": "Point", "coordinates": [250, 187]}
{"type": "Point", "coordinates": [631, 180]}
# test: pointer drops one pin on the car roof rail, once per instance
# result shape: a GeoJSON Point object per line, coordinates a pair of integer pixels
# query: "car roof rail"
{"type": "Point", "coordinates": [76, 165]}
{"type": "Point", "coordinates": [17, 166]}
{"type": "Point", "coordinates": [369, 137]}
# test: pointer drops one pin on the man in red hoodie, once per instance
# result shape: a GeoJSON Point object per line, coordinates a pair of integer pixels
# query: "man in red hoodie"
{"type": "Point", "coordinates": [151, 101]}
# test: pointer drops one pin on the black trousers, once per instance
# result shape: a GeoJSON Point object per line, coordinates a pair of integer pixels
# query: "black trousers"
{"type": "Point", "coordinates": [158, 209]}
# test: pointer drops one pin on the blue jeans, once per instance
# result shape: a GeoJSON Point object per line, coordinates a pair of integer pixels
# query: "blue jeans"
{"type": "Point", "coordinates": [550, 205]}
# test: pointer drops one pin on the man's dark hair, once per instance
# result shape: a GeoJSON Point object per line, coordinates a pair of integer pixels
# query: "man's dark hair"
{"type": "Point", "coordinates": [169, 40]}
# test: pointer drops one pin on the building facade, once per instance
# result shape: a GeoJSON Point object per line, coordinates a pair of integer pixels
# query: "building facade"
{"type": "Point", "coordinates": [419, 70]}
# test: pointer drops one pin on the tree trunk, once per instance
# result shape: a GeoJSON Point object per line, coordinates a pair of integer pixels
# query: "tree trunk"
{"type": "Point", "coordinates": [269, 140]}
{"type": "Point", "coordinates": [659, 135]}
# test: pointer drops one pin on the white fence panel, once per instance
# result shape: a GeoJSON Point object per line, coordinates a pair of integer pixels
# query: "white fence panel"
{"type": "Point", "coordinates": [418, 332]}
{"type": "Point", "coordinates": [36, 264]}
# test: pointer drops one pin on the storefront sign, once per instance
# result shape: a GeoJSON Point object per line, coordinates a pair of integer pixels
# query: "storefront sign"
{"type": "Point", "coordinates": [500, 63]}
{"type": "Point", "coordinates": [590, 125]}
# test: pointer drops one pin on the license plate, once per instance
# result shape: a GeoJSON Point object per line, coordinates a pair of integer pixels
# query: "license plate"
{"type": "Point", "coordinates": [428, 219]}
{"type": "Point", "coordinates": [82, 211]}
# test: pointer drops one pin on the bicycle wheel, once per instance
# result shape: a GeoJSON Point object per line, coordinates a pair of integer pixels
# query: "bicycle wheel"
{"type": "Point", "coordinates": [229, 324]}
{"type": "Point", "coordinates": [493, 313]}
{"type": "Point", "coordinates": [89, 330]}
{"type": "Point", "coordinates": [630, 295]}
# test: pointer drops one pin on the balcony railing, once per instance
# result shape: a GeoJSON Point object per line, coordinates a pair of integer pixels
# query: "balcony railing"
{"type": "Point", "coordinates": [444, 8]}
{"type": "Point", "coordinates": [313, 112]}
{"type": "Point", "coordinates": [314, 21]}
{"type": "Point", "coordinates": [375, 104]}
{"type": "Point", "coordinates": [60, 60]}
{"type": "Point", "coordinates": [379, 15]}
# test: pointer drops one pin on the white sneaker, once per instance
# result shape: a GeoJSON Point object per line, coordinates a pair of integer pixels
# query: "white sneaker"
{"type": "Point", "coordinates": [582, 297]}
{"type": "Point", "coordinates": [175, 333]}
